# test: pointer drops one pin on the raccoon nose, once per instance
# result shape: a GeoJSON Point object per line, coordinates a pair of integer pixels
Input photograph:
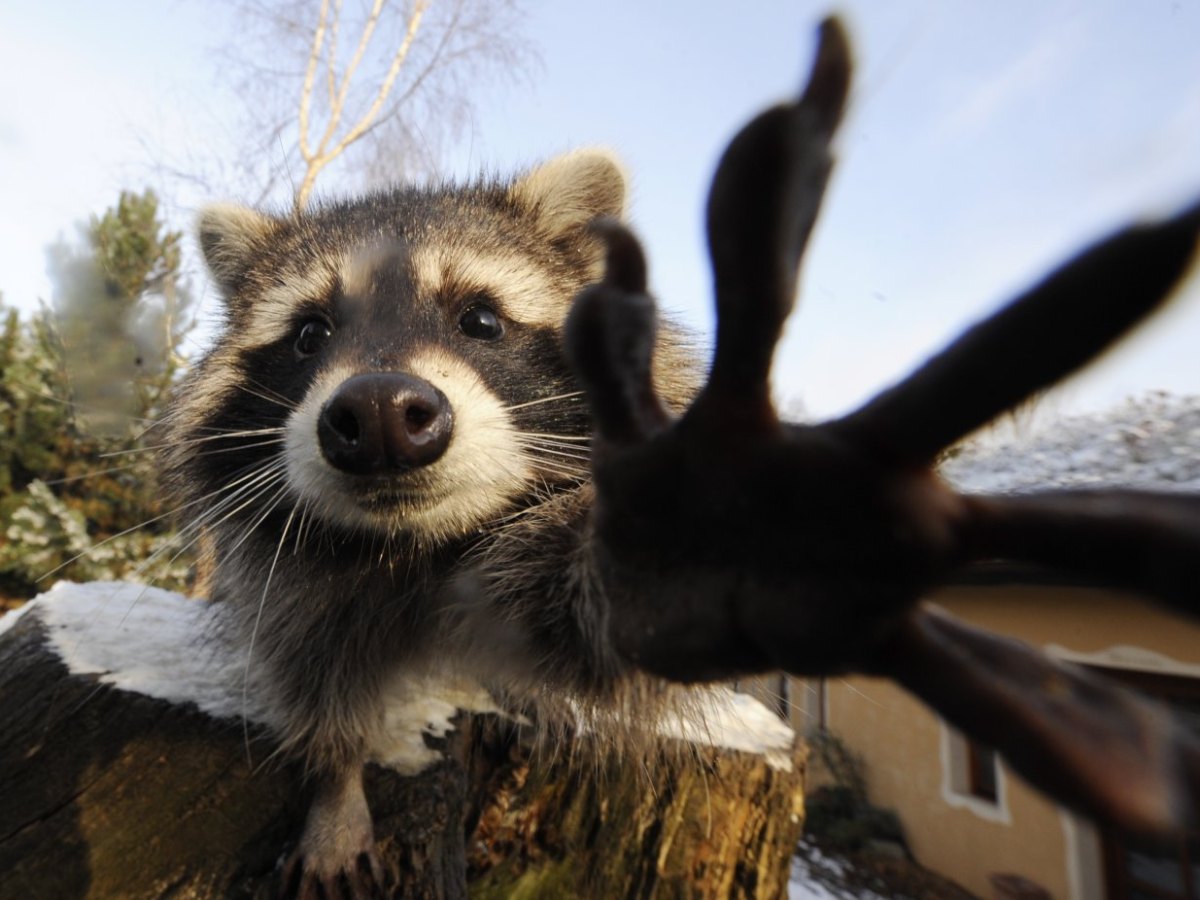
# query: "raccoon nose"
{"type": "Point", "coordinates": [384, 423]}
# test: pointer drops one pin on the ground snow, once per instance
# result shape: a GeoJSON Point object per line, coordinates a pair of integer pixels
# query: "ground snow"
{"type": "Point", "coordinates": [807, 884]}
{"type": "Point", "coordinates": [799, 888]}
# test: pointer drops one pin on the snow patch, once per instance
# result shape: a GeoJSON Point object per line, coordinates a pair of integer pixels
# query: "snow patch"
{"type": "Point", "coordinates": [818, 876]}
{"type": "Point", "coordinates": [163, 645]}
{"type": "Point", "coordinates": [146, 640]}
{"type": "Point", "coordinates": [726, 718]}
{"type": "Point", "coordinates": [415, 708]}
{"type": "Point", "coordinates": [160, 644]}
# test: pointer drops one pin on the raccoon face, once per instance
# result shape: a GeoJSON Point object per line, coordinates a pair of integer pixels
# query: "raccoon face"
{"type": "Point", "coordinates": [408, 345]}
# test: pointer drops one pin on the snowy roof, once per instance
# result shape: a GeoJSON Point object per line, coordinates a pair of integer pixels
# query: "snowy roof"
{"type": "Point", "coordinates": [1147, 442]}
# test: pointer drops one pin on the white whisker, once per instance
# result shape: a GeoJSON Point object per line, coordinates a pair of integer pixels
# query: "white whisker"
{"type": "Point", "coordinates": [265, 393]}
{"type": "Point", "coordinates": [191, 442]}
{"type": "Point", "coordinates": [582, 457]}
{"type": "Point", "coordinates": [568, 396]}
{"type": "Point", "coordinates": [194, 530]}
{"type": "Point", "coordinates": [95, 474]}
{"type": "Point", "coordinates": [272, 503]}
{"type": "Point", "coordinates": [558, 437]}
{"type": "Point", "coordinates": [271, 443]}
{"type": "Point", "coordinates": [197, 529]}
{"type": "Point", "coordinates": [262, 602]}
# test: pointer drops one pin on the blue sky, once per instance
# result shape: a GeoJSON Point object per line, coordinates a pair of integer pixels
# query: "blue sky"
{"type": "Point", "coordinates": [984, 143]}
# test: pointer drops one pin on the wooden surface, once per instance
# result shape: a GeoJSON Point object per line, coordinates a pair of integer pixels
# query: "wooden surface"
{"type": "Point", "coordinates": [109, 793]}
{"type": "Point", "coordinates": [706, 823]}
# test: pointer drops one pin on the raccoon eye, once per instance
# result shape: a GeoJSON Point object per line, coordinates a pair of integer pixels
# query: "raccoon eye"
{"type": "Point", "coordinates": [312, 337]}
{"type": "Point", "coordinates": [480, 321]}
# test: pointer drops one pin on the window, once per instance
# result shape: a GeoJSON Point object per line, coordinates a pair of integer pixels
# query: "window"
{"type": "Point", "coordinates": [974, 770]}
{"type": "Point", "coordinates": [972, 777]}
{"type": "Point", "coordinates": [982, 778]}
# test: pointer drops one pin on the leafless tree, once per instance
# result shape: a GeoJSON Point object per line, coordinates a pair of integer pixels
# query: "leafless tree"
{"type": "Point", "coordinates": [370, 89]}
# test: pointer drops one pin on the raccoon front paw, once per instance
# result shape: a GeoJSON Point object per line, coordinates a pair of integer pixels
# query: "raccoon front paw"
{"type": "Point", "coordinates": [727, 542]}
{"type": "Point", "coordinates": [336, 856]}
{"type": "Point", "coordinates": [696, 520]}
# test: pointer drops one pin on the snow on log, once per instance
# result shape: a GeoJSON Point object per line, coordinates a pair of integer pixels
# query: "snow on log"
{"type": "Point", "coordinates": [135, 762]}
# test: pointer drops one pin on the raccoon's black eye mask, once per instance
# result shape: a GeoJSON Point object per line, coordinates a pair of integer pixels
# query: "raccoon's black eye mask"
{"type": "Point", "coordinates": [731, 542]}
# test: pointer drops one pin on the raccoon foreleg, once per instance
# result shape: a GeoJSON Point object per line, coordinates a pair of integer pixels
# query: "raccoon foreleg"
{"type": "Point", "coordinates": [336, 855]}
{"type": "Point", "coordinates": [326, 689]}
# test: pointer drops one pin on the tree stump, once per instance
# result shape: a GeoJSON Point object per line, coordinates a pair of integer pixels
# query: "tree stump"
{"type": "Point", "coordinates": [124, 773]}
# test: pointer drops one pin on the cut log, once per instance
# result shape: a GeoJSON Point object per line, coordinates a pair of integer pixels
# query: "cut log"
{"type": "Point", "coordinates": [713, 823]}
{"type": "Point", "coordinates": [126, 770]}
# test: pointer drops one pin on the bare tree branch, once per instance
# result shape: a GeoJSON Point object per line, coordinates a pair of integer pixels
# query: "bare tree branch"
{"type": "Point", "coordinates": [324, 154]}
{"type": "Point", "coordinates": [436, 61]}
{"type": "Point", "coordinates": [371, 91]}
{"type": "Point", "coordinates": [331, 58]}
{"type": "Point", "coordinates": [310, 73]}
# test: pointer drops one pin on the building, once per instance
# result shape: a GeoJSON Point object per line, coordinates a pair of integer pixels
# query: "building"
{"type": "Point", "coordinates": [965, 815]}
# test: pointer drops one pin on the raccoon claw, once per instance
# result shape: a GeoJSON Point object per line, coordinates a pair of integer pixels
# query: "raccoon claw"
{"type": "Point", "coordinates": [336, 857]}
{"type": "Point", "coordinates": [360, 877]}
{"type": "Point", "coordinates": [1134, 270]}
{"type": "Point", "coordinates": [1035, 709]}
{"type": "Point", "coordinates": [764, 201]}
{"type": "Point", "coordinates": [668, 494]}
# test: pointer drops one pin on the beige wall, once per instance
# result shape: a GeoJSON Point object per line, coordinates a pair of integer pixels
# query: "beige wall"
{"type": "Point", "coordinates": [903, 744]}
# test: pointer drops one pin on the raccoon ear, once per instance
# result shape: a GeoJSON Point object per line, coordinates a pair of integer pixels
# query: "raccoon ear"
{"type": "Point", "coordinates": [571, 190]}
{"type": "Point", "coordinates": [230, 236]}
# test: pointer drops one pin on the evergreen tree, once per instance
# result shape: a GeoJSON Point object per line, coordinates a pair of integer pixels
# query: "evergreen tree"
{"type": "Point", "coordinates": [123, 311]}
{"type": "Point", "coordinates": [78, 388]}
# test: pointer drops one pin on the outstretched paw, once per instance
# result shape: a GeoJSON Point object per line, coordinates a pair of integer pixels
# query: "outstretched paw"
{"type": "Point", "coordinates": [753, 529]}
{"type": "Point", "coordinates": [730, 543]}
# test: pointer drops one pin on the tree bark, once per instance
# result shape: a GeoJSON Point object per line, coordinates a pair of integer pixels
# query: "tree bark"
{"type": "Point", "coordinates": [707, 822]}
{"type": "Point", "coordinates": [112, 793]}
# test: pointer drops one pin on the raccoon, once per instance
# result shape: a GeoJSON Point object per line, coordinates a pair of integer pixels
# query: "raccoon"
{"type": "Point", "coordinates": [388, 453]}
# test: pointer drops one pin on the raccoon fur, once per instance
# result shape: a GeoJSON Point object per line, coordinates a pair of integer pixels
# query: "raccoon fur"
{"type": "Point", "coordinates": [388, 454]}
